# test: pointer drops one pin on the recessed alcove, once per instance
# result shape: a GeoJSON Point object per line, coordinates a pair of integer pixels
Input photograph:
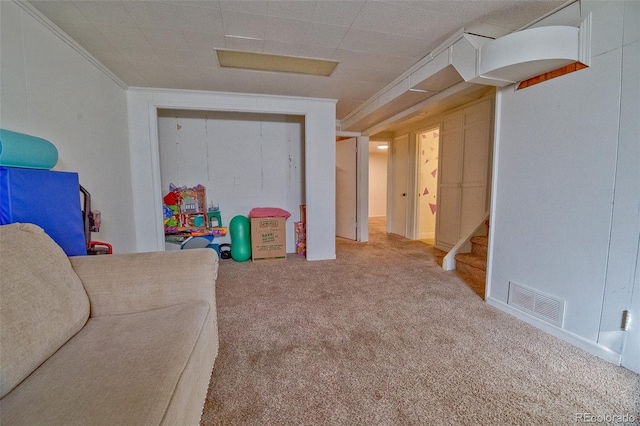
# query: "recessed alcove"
{"type": "Point", "coordinates": [316, 121]}
{"type": "Point", "coordinates": [244, 160]}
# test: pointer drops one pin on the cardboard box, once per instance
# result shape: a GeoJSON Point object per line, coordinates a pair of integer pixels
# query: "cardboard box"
{"type": "Point", "coordinates": [268, 238]}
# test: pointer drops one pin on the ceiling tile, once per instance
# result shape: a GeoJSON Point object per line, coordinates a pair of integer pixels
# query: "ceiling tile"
{"type": "Point", "coordinates": [244, 24]}
{"type": "Point", "coordinates": [204, 58]}
{"type": "Point", "coordinates": [166, 39]}
{"type": "Point", "coordinates": [140, 50]}
{"type": "Point", "coordinates": [324, 34]}
{"type": "Point", "coordinates": [182, 16]}
{"type": "Point", "coordinates": [380, 16]}
{"type": "Point", "coordinates": [464, 9]}
{"type": "Point", "coordinates": [210, 4]}
{"type": "Point", "coordinates": [292, 9]}
{"type": "Point", "coordinates": [387, 63]}
{"type": "Point", "coordinates": [410, 22]}
{"type": "Point", "coordinates": [319, 52]}
{"type": "Point", "coordinates": [105, 12]}
{"type": "Point", "coordinates": [281, 48]}
{"type": "Point", "coordinates": [200, 41]}
{"type": "Point", "coordinates": [345, 106]}
{"type": "Point", "coordinates": [171, 56]}
{"type": "Point", "coordinates": [285, 30]}
{"type": "Point", "coordinates": [86, 34]}
{"type": "Point", "coordinates": [107, 52]}
{"type": "Point", "coordinates": [217, 79]}
{"type": "Point", "coordinates": [249, 45]}
{"type": "Point", "coordinates": [364, 73]}
{"type": "Point", "coordinates": [202, 48]}
{"type": "Point", "coordinates": [187, 77]}
{"type": "Point", "coordinates": [340, 13]}
{"type": "Point", "coordinates": [519, 14]}
{"type": "Point", "coordinates": [60, 12]}
{"type": "Point", "coordinates": [122, 35]}
{"type": "Point", "coordinates": [246, 81]}
{"type": "Point", "coordinates": [383, 44]}
{"type": "Point", "coordinates": [274, 83]}
{"type": "Point", "coordinates": [156, 73]}
{"type": "Point", "coordinates": [255, 7]}
{"type": "Point", "coordinates": [126, 72]}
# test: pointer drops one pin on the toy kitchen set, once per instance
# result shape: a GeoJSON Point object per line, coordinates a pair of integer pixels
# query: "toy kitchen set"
{"type": "Point", "coordinates": [188, 221]}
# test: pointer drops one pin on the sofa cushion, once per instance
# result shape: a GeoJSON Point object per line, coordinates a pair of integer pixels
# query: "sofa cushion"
{"type": "Point", "coordinates": [43, 302]}
{"type": "Point", "coordinates": [120, 369]}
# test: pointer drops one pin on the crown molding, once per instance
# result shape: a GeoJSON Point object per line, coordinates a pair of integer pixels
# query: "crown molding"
{"type": "Point", "coordinates": [47, 23]}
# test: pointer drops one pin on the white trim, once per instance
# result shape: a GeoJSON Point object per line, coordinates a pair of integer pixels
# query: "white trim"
{"type": "Point", "coordinates": [48, 24]}
{"type": "Point", "coordinates": [584, 39]}
{"type": "Point", "coordinates": [362, 213]}
{"type": "Point", "coordinates": [497, 118]}
{"type": "Point", "coordinates": [319, 156]}
{"type": "Point", "coordinates": [342, 134]}
{"type": "Point", "coordinates": [158, 91]}
{"type": "Point", "coordinates": [156, 179]}
{"type": "Point", "coordinates": [578, 341]}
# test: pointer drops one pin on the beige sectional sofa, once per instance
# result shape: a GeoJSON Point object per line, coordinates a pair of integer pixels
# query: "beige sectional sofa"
{"type": "Point", "coordinates": [125, 339]}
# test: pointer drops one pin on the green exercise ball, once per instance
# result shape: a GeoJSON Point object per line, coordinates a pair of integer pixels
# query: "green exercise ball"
{"type": "Point", "coordinates": [240, 233]}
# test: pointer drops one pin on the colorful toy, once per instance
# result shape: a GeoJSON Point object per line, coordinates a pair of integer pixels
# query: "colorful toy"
{"type": "Point", "coordinates": [188, 209]}
{"type": "Point", "coordinates": [301, 238]}
{"type": "Point", "coordinates": [240, 232]}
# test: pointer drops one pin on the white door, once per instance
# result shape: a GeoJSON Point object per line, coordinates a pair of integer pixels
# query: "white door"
{"type": "Point", "coordinates": [427, 144]}
{"type": "Point", "coordinates": [475, 171]}
{"type": "Point", "coordinates": [399, 164]}
{"type": "Point", "coordinates": [449, 186]}
{"type": "Point", "coordinates": [464, 172]}
{"type": "Point", "coordinates": [346, 188]}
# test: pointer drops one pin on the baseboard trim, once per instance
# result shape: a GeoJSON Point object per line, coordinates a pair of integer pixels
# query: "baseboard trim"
{"type": "Point", "coordinates": [578, 341]}
{"type": "Point", "coordinates": [427, 235]}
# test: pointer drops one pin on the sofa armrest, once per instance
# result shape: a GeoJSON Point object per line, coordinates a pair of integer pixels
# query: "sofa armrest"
{"type": "Point", "coordinates": [125, 283]}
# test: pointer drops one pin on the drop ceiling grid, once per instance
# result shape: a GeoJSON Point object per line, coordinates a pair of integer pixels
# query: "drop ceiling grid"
{"type": "Point", "coordinates": [172, 43]}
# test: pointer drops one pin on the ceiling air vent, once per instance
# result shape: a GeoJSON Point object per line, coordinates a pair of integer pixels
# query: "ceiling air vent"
{"type": "Point", "coordinates": [540, 305]}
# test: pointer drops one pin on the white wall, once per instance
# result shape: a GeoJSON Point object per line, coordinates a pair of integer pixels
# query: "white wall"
{"type": "Point", "coordinates": [244, 160]}
{"type": "Point", "coordinates": [565, 150]}
{"type": "Point", "coordinates": [48, 89]}
{"type": "Point", "coordinates": [378, 184]}
{"type": "Point", "coordinates": [320, 156]}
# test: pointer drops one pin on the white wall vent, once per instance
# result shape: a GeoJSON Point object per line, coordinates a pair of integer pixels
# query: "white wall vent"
{"type": "Point", "coordinates": [547, 308]}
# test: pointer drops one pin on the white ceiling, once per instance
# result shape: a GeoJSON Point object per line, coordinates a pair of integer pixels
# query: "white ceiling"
{"type": "Point", "coordinates": [171, 44]}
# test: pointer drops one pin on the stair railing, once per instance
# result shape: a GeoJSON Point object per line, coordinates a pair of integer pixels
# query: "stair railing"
{"type": "Point", "coordinates": [464, 244]}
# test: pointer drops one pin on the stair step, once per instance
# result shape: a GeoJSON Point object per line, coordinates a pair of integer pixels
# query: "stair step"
{"type": "Point", "coordinates": [473, 269]}
{"type": "Point", "coordinates": [472, 259]}
{"type": "Point", "coordinates": [480, 246]}
{"type": "Point", "coordinates": [484, 241]}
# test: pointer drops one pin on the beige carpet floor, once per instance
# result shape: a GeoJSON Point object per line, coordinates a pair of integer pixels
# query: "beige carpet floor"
{"type": "Point", "coordinates": [384, 336]}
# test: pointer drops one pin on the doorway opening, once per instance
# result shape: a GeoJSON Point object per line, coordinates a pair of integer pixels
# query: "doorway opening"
{"type": "Point", "coordinates": [378, 164]}
{"type": "Point", "coordinates": [347, 188]}
{"type": "Point", "coordinates": [427, 142]}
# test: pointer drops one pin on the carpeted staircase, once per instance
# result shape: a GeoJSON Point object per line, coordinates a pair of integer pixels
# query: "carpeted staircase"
{"type": "Point", "coordinates": [472, 267]}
